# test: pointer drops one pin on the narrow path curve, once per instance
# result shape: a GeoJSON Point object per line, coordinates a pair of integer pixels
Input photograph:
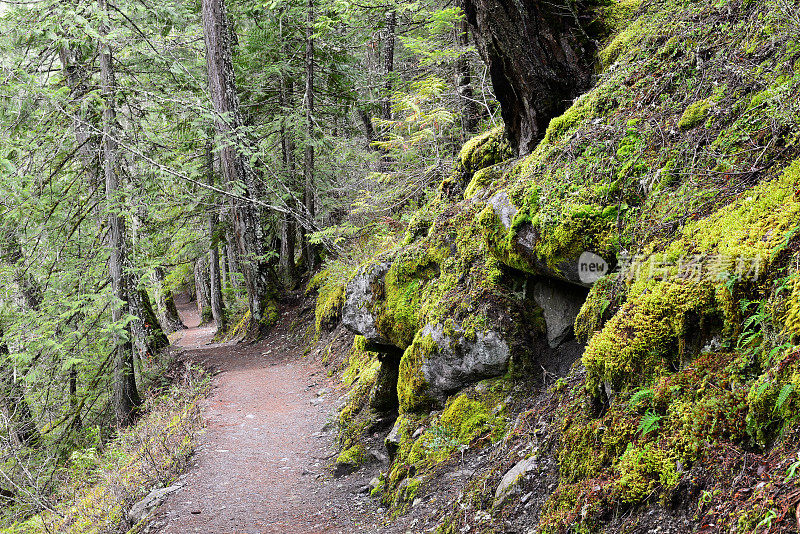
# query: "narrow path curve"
{"type": "Point", "coordinates": [262, 466]}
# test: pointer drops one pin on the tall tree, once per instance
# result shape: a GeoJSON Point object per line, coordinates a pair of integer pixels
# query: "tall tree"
{"type": "Point", "coordinates": [388, 64]}
{"type": "Point", "coordinates": [466, 96]}
{"type": "Point", "coordinates": [235, 168]}
{"type": "Point", "coordinates": [165, 303]}
{"type": "Point", "coordinates": [22, 424]}
{"type": "Point", "coordinates": [308, 167]}
{"type": "Point", "coordinates": [214, 276]}
{"type": "Point", "coordinates": [126, 395]}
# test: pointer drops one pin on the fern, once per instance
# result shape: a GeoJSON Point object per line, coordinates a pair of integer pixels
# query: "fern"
{"type": "Point", "coordinates": [783, 396]}
{"type": "Point", "coordinates": [651, 421]}
{"type": "Point", "coordinates": [640, 397]}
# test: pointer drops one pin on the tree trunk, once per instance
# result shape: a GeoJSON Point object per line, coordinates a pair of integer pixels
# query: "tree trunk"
{"type": "Point", "coordinates": [388, 65]}
{"type": "Point", "coordinates": [22, 424]}
{"type": "Point", "coordinates": [369, 129]}
{"type": "Point", "coordinates": [125, 394]}
{"type": "Point", "coordinates": [308, 167]}
{"type": "Point", "coordinates": [466, 96]}
{"type": "Point", "coordinates": [29, 288]}
{"type": "Point", "coordinates": [165, 304]}
{"type": "Point", "coordinates": [215, 283]}
{"type": "Point", "coordinates": [88, 148]}
{"type": "Point", "coordinates": [224, 277]}
{"type": "Point", "coordinates": [286, 258]}
{"type": "Point", "coordinates": [202, 289]}
{"type": "Point", "coordinates": [539, 59]}
{"type": "Point", "coordinates": [73, 395]}
{"type": "Point", "coordinates": [233, 263]}
{"type": "Point", "coordinates": [235, 167]}
{"type": "Point", "coordinates": [148, 337]}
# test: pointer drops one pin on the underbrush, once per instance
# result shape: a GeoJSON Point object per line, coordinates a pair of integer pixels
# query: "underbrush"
{"type": "Point", "coordinates": [101, 482]}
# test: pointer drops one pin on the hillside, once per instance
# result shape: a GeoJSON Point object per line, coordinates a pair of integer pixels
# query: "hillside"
{"type": "Point", "coordinates": [662, 396]}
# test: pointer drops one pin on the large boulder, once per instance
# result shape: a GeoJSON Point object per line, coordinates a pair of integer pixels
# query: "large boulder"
{"type": "Point", "coordinates": [361, 297]}
{"type": "Point", "coordinates": [457, 360]}
{"type": "Point", "coordinates": [444, 360]}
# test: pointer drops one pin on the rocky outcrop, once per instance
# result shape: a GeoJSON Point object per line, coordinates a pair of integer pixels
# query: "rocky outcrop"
{"type": "Point", "coordinates": [362, 294]}
{"type": "Point", "coordinates": [153, 500]}
{"type": "Point", "coordinates": [516, 243]}
{"type": "Point", "coordinates": [456, 361]}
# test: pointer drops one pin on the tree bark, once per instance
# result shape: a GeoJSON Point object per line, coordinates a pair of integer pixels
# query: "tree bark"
{"type": "Point", "coordinates": [29, 288]}
{"type": "Point", "coordinates": [539, 59]}
{"type": "Point", "coordinates": [233, 263]}
{"type": "Point", "coordinates": [235, 167]}
{"type": "Point", "coordinates": [308, 167]}
{"type": "Point", "coordinates": [388, 65]}
{"type": "Point", "coordinates": [165, 304]}
{"type": "Point", "coordinates": [369, 129]}
{"type": "Point", "coordinates": [215, 283]}
{"type": "Point", "coordinates": [22, 424]}
{"type": "Point", "coordinates": [148, 337]}
{"type": "Point", "coordinates": [125, 394]}
{"type": "Point", "coordinates": [466, 96]}
{"type": "Point", "coordinates": [202, 288]}
{"type": "Point", "coordinates": [288, 227]}
{"type": "Point", "coordinates": [88, 147]}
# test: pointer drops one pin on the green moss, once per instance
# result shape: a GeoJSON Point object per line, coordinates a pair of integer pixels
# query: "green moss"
{"type": "Point", "coordinates": [694, 115]}
{"type": "Point", "coordinates": [377, 491]}
{"type": "Point", "coordinates": [621, 43]}
{"type": "Point", "coordinates": [411, 383]}
{"type": "Point", "coordinates": [588, 444]}
{"type": "Point", "coordinates": [774, 397]}
{"type": "Point", "coordinates": [644, 471]}
{"type": "Point", "coordinates": [617, 14]}
{"type": "Point", "coordinates": [418, 226]}
{"type": "Point", "coordinates": [588, 106]}
{"type": "Point", "coordinates": [355, 456]}
{"type": "Point", "coordinates": [355, 416]}
{"type": "Point", "coordinates": [485, 150]}
{"type": "Point", "coordinates": [330, 285]}
{"type": "Point", "coordinates": [753, 227]}
{"type": "Point", "coordinates": [647, 337]}
{"type": "Point", "coordinates": [482, 179]}
{"type": "Point", "coordinates": [791, 318]}
{"type": "Point", "coordinates": [271, 315]}
{"type": "Point", "coordinates": [590, 318]}
{"type": "Point", "coordinates": [466, 418]}
{"type": "Point", "coordinates": [359, 361]}
{"type": "Point", "coordinates": [408, 491]}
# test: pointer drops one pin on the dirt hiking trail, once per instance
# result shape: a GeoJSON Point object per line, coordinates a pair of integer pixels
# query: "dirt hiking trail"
{"type": "Point", "coordinates": [263, 463]}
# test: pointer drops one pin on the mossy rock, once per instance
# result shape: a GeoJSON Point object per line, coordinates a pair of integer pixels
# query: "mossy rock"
{"type": "Point", "coordinates": [486, 150]}
{"type": "Point", "coordinates": [444, 360]}
{"type": "Point", "coordinates": [555, 250]}
{"type": "Point", "coordinates": [349, 460]}
{"type": "Point", "coordinates": [694, 115]}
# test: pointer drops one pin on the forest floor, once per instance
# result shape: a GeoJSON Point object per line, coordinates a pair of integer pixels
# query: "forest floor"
{"type": "Point", "coordinates": [263, 464]}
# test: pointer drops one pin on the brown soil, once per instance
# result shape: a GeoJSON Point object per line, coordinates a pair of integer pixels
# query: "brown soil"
{"type": "Point", "coordinates": [264, 463]}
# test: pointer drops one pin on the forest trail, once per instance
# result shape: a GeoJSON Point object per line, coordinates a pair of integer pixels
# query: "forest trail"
{"type": "Point", "coordinates": [262, 465]}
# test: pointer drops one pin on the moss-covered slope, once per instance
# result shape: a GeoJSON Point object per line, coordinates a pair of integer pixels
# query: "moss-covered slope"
{"type": "Point", "coordinates": [680, 168]}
